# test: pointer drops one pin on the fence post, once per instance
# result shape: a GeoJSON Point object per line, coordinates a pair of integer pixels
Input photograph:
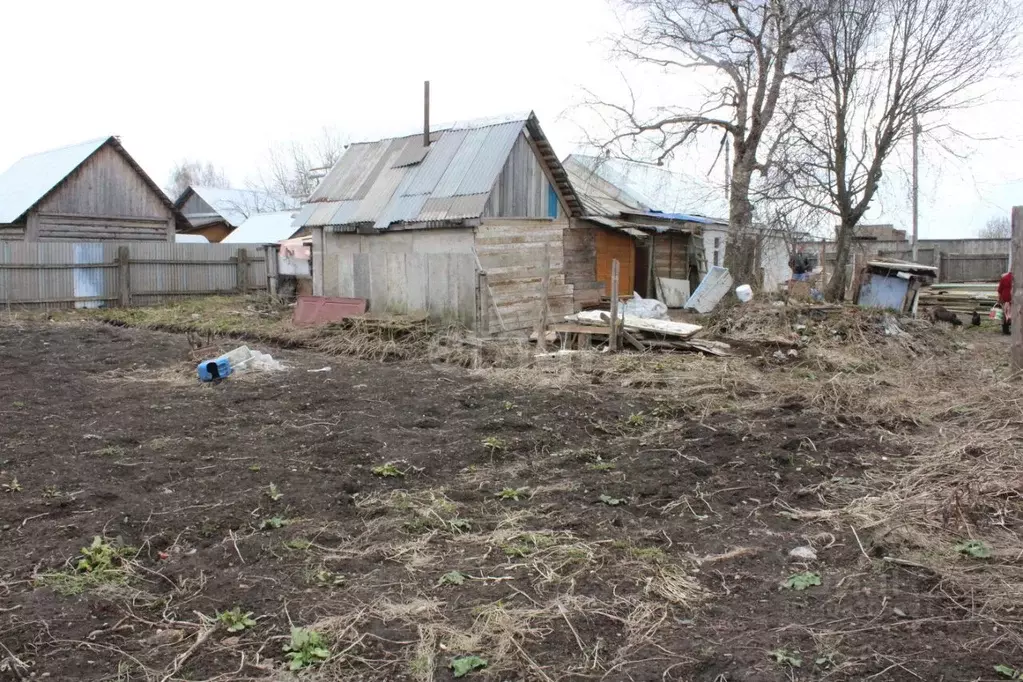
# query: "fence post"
{"type": "Point", "coordinates": [123, 277]}
{"type": "Point", "coordinates": [612, 341]}
{"type": "Point", "coordinates": [242, 275]}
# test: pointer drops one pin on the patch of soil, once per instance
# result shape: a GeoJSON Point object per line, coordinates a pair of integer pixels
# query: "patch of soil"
{"type": "Point", "coordinates": [644, 545]}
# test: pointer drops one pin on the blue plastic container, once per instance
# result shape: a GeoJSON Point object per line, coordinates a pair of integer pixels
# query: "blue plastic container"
{"type": "Point", "coordinates": [212, 370]}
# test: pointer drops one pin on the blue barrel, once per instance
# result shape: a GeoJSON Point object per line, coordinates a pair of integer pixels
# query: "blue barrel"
{"type": "Point", "coordinates": [211, 370]}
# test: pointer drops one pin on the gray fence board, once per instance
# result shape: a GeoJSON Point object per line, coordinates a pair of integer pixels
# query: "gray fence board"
{"type": "Point", "coordinates": [85, 274]}
{"type": "Point", "coordinates": [441, 285]}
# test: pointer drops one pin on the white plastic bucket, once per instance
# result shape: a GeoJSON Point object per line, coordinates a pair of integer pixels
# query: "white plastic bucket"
{"type": "Point", "coordinates": [744, 292]}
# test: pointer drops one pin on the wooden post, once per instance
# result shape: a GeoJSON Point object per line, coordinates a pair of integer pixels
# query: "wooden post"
{"type": "Point", "coordinates": [824, 272]}
{"type": "Point", "coordinates": [612, 340]}
{"type": "Point", "coordinates": [123, 277]}
{"type": "Point", "coordinates": [242, 275]}
{"type": "Point", "coordinates": [545, 287]}
{"type": "Point", "coordinates": [1016, 268]}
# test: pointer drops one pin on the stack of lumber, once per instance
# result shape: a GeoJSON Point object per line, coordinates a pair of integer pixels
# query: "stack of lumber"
{"type": "Point", "coordinates": [961, 298]}
{"type": "Point", "coordinates": [642, 333]}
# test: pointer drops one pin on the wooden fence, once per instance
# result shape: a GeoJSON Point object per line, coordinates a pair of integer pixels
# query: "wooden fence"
{"type": "Point", "coordinates": [95, 274]}
{"type": "Point", "coordinates": [444, 286]}
{"type": "Point", "coordinates": [958, 267]}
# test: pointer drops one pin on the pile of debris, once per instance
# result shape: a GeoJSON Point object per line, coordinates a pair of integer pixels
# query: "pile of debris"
{"type": "Point", "coordinates": [961, 298]}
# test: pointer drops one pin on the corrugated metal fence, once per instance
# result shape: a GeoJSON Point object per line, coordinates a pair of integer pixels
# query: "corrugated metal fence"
{"type": "Point", "coordinates": [94, 274]}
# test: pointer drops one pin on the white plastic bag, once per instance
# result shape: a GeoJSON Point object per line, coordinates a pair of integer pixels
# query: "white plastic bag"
{"type": "Point", "coordinates": [648, 308]}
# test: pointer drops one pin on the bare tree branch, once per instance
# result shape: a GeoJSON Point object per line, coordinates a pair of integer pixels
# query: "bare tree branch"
{"type": "Point", "coordinates": [193, 172]}
{"type": "Point", "coordinates": [746, 47]}
{"type": "Point", "coordinates": [878, 66]}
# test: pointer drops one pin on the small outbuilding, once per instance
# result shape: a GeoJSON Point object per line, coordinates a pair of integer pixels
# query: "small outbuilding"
{"type": "Point", "coordinates": [660, 255]}
{"type": "Point", "coordinates": [216, 212]}
{"type": "Point", "coordinates": [89, 191]}
{"type": "Point", "coordinates": [894, 285]}
{"type": "Point", "coordinates": [467, 222]}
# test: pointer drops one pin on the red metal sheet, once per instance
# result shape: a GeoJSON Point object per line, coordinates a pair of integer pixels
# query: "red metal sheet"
{"type": "Point", "coordinates": [313, 310]}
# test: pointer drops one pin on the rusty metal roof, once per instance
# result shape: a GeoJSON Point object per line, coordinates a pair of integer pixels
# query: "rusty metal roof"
{"type": "Point", "coordinates": [397, 181]}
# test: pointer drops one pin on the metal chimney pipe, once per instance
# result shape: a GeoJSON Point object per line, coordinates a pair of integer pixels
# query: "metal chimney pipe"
{"type": "Point", "coordinates": [426, 113]}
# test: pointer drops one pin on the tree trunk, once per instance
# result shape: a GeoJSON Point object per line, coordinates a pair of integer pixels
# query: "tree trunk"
{"type": "Point", "coordinates": [839, 281]}
{"type": "Point", "coordinates": [741, 251]}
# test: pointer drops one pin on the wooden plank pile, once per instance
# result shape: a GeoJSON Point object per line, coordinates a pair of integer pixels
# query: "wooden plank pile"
{"type": "Point", "coordinates": [961, 298]}
{"type": "Point", "coordinates": [638, 333]}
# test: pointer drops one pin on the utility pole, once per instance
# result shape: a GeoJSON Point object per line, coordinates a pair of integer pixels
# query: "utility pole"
{"type": "Point", "coordinates": [916, 184]}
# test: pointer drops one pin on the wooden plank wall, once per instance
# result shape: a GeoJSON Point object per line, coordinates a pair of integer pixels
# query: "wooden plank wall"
{"type": "Point", "coordinates": [55, 274]}
{"type": "Point", "coordinates": [671, 256]}
{"type": "Point", "coordinates": [86, 228]}
{"type": "Point", "coordinates": [12, 231]}
{"type": "Point", "coordinates": [106, 185]}
{"type": "Point", "coordinates": [581, 265]}
{"type": "Point", "coordinates": [521, 189]}
{"type": "Point", "coordinates": [105, 198]}
{"type": "Point", "coordinates": [511, 253]}
{"type": "Point", "coordinates": [440, 285]}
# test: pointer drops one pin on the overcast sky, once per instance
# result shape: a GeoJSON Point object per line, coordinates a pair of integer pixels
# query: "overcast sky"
{"type": "Point", "coordinates": [222, 80]}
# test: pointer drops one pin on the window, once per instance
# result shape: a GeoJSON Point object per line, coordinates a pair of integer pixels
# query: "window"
{"type": "Point", "coordinates": [552, 202]}
{"type": "Point", "coordinates": [717, 250]}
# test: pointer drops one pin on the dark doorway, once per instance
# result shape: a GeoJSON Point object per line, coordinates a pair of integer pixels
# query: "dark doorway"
{"type": "Point", "coordinates": [641, 280]}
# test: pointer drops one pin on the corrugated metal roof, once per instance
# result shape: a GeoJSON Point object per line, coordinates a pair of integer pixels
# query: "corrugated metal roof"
{"type": "Point", "coordinates": [452, 182]}
{"type": "Point", "coordinates": [263, 228]}
{"type": "Point", "coordinates": [612, 186]}
{"type": "Point", "coordinates": [236, 205]}
{"type": "Point", "coordinates": [32, 177]}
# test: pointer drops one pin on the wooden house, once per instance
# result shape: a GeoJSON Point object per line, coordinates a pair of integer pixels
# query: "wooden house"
{"type": "Point", "coordinates": [215, 212]}
{"type": "Point", "coordinates": [468, 222]}
{"type": "Point", "coordinates": [85, 192]}
{"type": "Point", "coordinates": [660, 255]}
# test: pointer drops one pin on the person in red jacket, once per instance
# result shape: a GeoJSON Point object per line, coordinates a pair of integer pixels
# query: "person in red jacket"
{"type": "Point", "coordinates": [1005, 300]}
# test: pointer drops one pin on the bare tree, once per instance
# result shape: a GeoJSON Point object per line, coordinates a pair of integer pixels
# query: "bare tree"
{"type": "Point", "coordinates": [193, 172]}
{"type": "Point", "coordinates": [996, 227]}
{"type": "Point", "coordinates": [292, 170]}
{"type": "Point", "coordinates": [877, 66]}
{"type": "Point", "coordinates": [746, 47]}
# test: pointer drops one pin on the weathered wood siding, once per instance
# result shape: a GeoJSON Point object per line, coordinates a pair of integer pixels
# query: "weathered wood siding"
{"type": "Point", "coordinates": [13, 231]}
{"type": "Point", "coordinates": [440, 285]}
{"type": "Point", "coordinates": [196, 204]}
{"type": "Point", "coordinates": [581, 265]}
{"type": "Point", "coordinates": [522, 190]}
{"type": "Point", "coordinates": [329, 247]}
{"type": "Point", "coordinates": [103, 199]}
{"type": "Point", "coordinates": [671, 256]}
{"type": "Point", "coordinates": [512, 254]}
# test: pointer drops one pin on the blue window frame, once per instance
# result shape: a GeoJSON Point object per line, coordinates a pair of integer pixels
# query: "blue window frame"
{"type": "Point", "coordinates": [552, 202]}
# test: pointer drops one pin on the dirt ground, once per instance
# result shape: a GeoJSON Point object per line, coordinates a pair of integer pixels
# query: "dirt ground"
{"type": "Point", "coordinates": [559, 529]}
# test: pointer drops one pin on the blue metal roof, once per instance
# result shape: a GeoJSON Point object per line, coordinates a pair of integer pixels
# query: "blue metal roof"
{"type": "Point", "coordinates": [684, 217]}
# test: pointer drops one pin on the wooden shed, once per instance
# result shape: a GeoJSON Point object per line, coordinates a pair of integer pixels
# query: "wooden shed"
{"type": "Point", "coordinates": [85, 192]}
{"type": "Point", "coordinates": [469, 224]}
{"type": "Point", "coordinates": [660, 255]}
{"type": "Point", "coordinates": [215, 212]}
